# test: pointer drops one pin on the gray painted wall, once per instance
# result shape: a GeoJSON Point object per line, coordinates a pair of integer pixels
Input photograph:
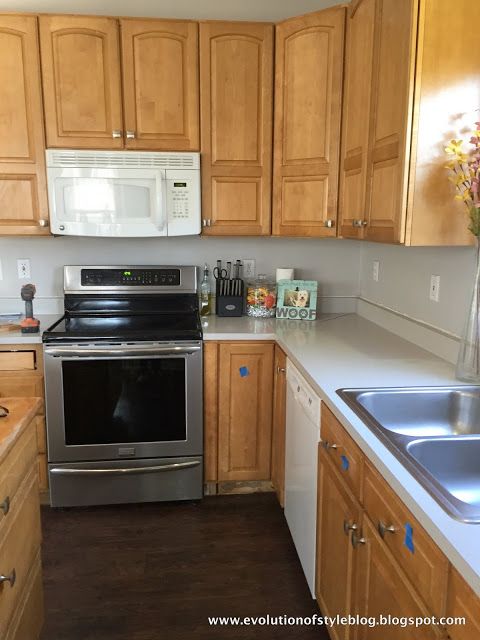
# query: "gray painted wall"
{"type": "Point", "coordinates": [269, 10]}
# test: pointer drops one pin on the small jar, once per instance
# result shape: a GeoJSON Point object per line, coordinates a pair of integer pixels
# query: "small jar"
{"type": "Point", "coordinates": [261, 297]}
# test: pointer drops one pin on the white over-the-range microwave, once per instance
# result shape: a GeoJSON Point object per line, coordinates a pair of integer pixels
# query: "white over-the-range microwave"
{"type": "Point", "coordinates": [123, 193]}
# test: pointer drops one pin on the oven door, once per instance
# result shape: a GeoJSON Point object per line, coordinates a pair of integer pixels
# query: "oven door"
{"type": "Point", "coordinates": [111, 402]}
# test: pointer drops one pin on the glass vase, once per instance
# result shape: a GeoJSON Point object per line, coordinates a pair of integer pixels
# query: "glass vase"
{"type": "Point", "coordinates": [468, 363]}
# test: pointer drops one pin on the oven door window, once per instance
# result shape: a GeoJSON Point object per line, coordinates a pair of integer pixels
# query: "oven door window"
{"type": "Point", "coordinates": [124, 400]}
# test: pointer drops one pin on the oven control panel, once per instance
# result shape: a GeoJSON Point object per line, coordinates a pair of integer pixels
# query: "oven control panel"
{"type": "Point", "coordinates": [130, 277]}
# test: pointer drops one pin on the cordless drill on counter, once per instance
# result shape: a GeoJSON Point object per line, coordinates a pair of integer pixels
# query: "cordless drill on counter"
{"type": "Point", "coordinates": [29, 324]}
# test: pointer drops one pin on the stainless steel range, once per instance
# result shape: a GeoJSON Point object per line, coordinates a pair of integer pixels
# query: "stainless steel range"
{"type": "Point", "coordinates": [123, 377]}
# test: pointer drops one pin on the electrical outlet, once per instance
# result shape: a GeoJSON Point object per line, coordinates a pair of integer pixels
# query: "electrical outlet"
{"type": "Point", "coordinates": [23, 268]}
{"type": "Point", "coordinates": [435, 288]}
{"type": "Point", "coordinates": [248, 268]}
{"type": "Point", "coordinates": [1, 271]}
{"type": "Point", "coordinates": [376, 270]}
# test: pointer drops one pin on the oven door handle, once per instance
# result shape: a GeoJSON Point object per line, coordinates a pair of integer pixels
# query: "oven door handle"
{"type": "Point", "coordinates": [153, 350]}
{"type": "Point", "coordinates": [65, 471]}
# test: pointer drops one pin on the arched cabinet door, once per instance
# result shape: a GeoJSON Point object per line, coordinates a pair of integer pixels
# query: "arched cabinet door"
{"type": "Point", "coordinates": [160, 84]}
{"type": "Point", "coordinates": [308, 104]}
{"type": "Point", "coordinates": [23, 196]}
{"type": "Point", "coordinates": [81, 82]}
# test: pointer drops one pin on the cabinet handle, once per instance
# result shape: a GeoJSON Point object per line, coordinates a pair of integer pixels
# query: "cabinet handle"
{"type": "Point", "coordinates": [43, 222]}
{"type": "Point", "coordinates": [5, 505]}
{"type": "Point", "coordinates": [130, 135]}
{"type": "Point", "coordinates": [383, 528]}
{"type": "Point", "coordinates": [329, 223]}
{"type": "Point", "coordinates": [329, 445]}
{"type": "Point", "coordinates": [11, 578]}
{"type": "Point", "coordinates": [117, 133]}
{"type": "Point", "coordinates": [347, 527]}
{"type": "Point", "coordinates": [206, 222]}
{"type": "Point", "coordinates": [356, 540]}
{"type": "Point", "coordinates": [359, 223]}
{"type": "Point", "coordinates": [281, 370]}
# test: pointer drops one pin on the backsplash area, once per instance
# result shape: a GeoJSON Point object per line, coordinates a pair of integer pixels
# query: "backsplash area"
{"type": "Point", "coordinates": [334, 263]}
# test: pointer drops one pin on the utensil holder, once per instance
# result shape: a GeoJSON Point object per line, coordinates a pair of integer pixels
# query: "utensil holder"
{"type": "Point", "coordinates": [228, 305]}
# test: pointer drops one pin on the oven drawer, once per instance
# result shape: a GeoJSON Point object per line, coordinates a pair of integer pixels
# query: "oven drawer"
{"type": "Point", "coordinates": [118, 482]}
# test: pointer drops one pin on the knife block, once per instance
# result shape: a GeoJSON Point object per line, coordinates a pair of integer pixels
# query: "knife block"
{"type": "Point", "coordinates": [229, 306]}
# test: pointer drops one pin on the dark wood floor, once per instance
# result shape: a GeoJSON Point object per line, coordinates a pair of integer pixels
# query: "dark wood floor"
{"type": "Point", "coordinates": [156, 571]}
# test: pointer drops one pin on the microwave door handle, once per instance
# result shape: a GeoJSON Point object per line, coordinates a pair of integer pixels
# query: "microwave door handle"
{"type": "Point", "coordinates": [92, 352]}
{"type": "Point", "coordinates": [160, 219]}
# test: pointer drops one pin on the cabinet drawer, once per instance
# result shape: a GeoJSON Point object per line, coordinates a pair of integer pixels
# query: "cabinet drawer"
{"type": "Point", "coordinates": [27, 621]}
{"type": "Point", "coordinates": [17, 360]}
{"type": "Point", "coordinates": [14, 468]}
{"type": "Point", "coordinates": [342, 450]}
{"type": "Point", "coordinates": [18, 386]}
{"type": "Point", "coordinates": [412, 547]}
{"type": "Point", "coordinates": [20, 544]}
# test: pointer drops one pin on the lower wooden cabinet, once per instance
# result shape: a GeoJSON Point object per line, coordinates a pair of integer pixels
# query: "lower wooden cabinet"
{"type": "Point", "coordinates": [278, 424]}
{"type": "Point", "coordinates": [462, 602]}
{"type": "Point", "coordinates": [339, 515]}
{"type": "Point", "coordinates": [238, 382]}
{"type": "Point", "coordinates": [21, 596]}
{"type": "Point", "coordinates": [21, 376]}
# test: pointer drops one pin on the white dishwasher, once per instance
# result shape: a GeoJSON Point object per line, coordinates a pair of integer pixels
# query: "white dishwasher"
{"type": "Point", "coordinates": [301, 447]}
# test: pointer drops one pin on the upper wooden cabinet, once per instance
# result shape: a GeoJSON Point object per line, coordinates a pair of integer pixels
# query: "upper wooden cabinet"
{"type": "Point", "coordinates": [308, 101]}
{"type": "Point", "coordinates": [356, 116]}
{"type": "Point", "coordinates": [160, 84]}
{"type": "Point", "coordinates": [82, 82]}
{"type": "Point", "coordinates": [423, 93]}
{"type": "Point", "coordinates": [236, 89]}
{"type": "Point", "coordinates": [23, 195]}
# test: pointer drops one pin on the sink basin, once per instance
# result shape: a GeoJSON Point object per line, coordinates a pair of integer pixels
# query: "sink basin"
{"type": "Point", "coordinates": [421, 412]}
{"type": "Point", "coordinates": [435, 433]}
{"type": "Point", "coordinates": [454, 465]}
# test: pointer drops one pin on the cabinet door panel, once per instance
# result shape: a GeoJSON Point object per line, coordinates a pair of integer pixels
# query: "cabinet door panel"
{"type": "Point", "coordinates": [160, 84]}
{"type": "Point", "coordinates": [278, 429]}
{"type": "Point", "coordinates": [308, 85]}
{"type": "Point", "coordinates": [81, 81]}
{"type": "Point", "coordinates": [389, 148]}
{"type": "Point", "coordinates": [356, 117]}
{"type": "Point", "coordinates": [245, 411]}
{"type": "Point", "coordinates": [335, 555]}
{"type": "Point", "coordinates": [462, 602]}
{"type": "Point", "coordinates": [22, 162]}
{"type": "Point", "coordinates": [236, 115]}
{"type": "Point", "coordinates": [383, 589]}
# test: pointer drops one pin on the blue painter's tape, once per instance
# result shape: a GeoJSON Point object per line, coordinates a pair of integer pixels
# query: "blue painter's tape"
{"type": "Point", "coordinates": [244, 371]}
{"type": "Point", "coordinates": [345, 463]}
{"type": "Point", "coordinates": [409, 538]}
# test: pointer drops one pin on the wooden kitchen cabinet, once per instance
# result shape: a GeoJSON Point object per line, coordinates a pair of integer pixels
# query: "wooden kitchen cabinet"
{"type": "Point", "coordinates": [160, 84]}
{"type": "Point", "coordinates": [338, 514]}
{"type": "Point", "coordinates": [21, 376]}
{"type": "Point", "coordinates": [357, 89]}
{"type": "Point", "coordinates": [245, 387]}
{"type": "Point", "coordinates": [462, 602]}
{"type": "Point", "coordinates": [308, 103]}
{"type": "Point", "coordinates": [381, 588]}
{"type": "Point", "coordinates": [23, 192]}
{"type": "Point", "coordinates": [279, 423]}
{"type": "Point", "coordinates": [236, 98]}
{"type": "Point", "coordinates": [422, 94]}
{"type": "Point", "coordinates": [81, 81]}
{"type": "Point", "coordinates": [83, 69]}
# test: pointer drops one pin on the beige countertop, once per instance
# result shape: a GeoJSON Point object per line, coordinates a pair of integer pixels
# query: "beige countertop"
{"type": "Point", "coordinates": [22, 410]}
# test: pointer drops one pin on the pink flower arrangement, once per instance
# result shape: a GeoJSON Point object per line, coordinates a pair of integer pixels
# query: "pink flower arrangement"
{"type": "Point", "coordinates": [464, 168]}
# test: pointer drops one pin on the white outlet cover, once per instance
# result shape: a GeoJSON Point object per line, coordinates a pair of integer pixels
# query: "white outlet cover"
{"type": "Point", "coordinates": [23, 268]}
{"type": "Point", "coordinates": [1, 271]}
{"type": "Point", "coordinates": [376, 270]}
{"type": "Point", "coordinates": [248, 270]}
{"type": "Point", "coordinates": [435, 288]}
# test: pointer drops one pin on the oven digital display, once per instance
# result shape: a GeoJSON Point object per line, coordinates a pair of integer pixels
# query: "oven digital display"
{"type": "Point", "coordinates": [131, 277]}
{"type": "Point", "coordinates": [179, 184]}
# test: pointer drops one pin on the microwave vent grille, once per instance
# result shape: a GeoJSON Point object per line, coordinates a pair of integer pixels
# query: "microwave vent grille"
{"type": "Point", "coordinates": [122, 159]}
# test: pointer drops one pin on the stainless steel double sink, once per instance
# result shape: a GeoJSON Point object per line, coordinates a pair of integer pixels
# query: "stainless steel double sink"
{"type": "Point", "coordinates": [435, 434]}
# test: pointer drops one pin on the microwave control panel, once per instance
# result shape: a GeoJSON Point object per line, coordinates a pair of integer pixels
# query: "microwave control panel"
{"type": "Point", "coordinates": [130, 277]}
{"type": "Point", "coordinates": [183, 202]}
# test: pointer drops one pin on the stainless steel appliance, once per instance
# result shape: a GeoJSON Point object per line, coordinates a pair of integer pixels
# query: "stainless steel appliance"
{"type": "Point", "coordinates": [123, 376]}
